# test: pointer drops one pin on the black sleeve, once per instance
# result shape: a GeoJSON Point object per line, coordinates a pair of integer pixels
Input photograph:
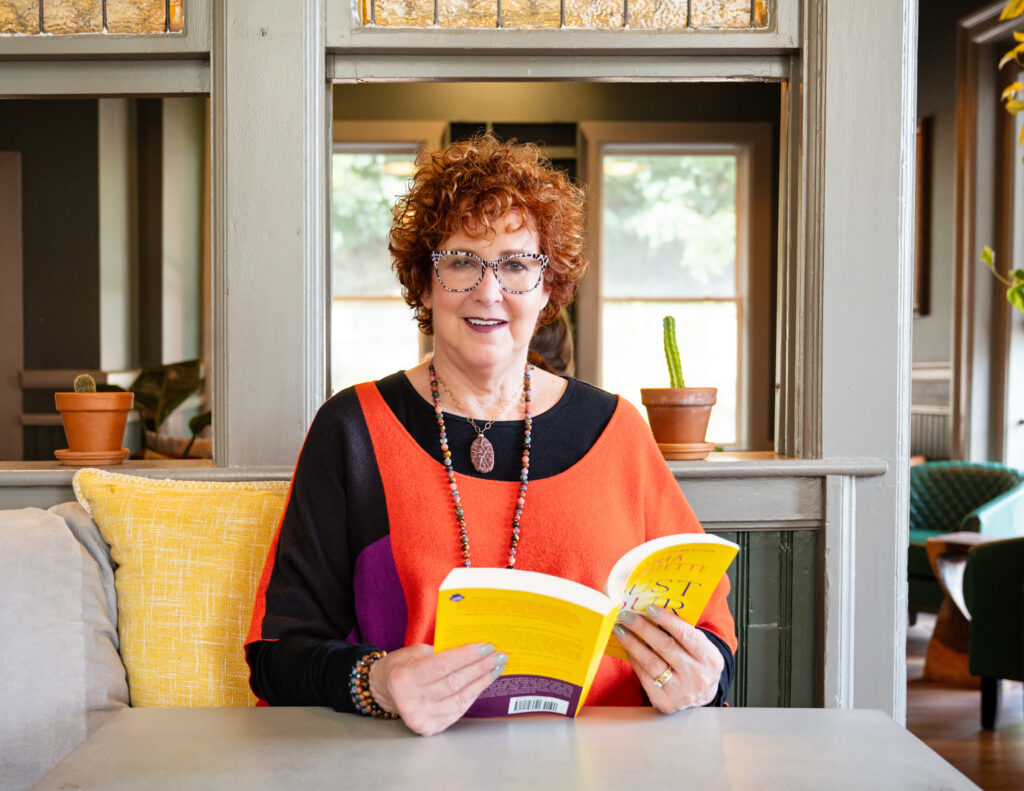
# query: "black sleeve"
{"type": "Point", "coordinates": [728, 670]}
{"type": "Point", "coordinates": [304, 671]}
{"type": "Point", "coordinates": [301, 655]}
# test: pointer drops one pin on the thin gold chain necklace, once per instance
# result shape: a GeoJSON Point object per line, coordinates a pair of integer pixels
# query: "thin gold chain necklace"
{"type": "Point", "coordinates": [481, 452]}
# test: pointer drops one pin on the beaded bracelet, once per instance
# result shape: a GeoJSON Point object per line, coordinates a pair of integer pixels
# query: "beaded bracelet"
{"type": "Point", "coordinates": [359, 688]}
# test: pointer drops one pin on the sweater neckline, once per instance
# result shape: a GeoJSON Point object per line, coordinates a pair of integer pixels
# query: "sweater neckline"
{"type": "Point", "coordinates": [416, 450]}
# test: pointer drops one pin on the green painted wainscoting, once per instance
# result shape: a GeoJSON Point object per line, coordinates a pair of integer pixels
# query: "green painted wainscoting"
{"type": "Point", "coordinates": [774, 601]}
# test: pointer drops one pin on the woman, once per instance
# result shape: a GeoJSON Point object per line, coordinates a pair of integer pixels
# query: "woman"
{"type": "Point", "coordinates": [472, 457]}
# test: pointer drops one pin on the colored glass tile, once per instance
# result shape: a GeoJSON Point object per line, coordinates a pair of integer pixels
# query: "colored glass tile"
{"type": "Point", "coordinates": [19, 16]}
{"type": "Point", "coordinates": [467, 13]}
{"type": "Point", "coordinates": [720, 13]}
{"type": "Point", "coordinates": [657, 14]}
{"type": "Point", "coordinates": [177, 13]}
{"type": "Point", "coordinates": [593, 13]}
{"type": "Point", "coordinates": [72, 16]}
{"type": "Point", "coordinates": [136, 16]}
{"type": "Point", "coordinates": [760, 13]}
{"type": "Point", "coordinates": [531, 13]}
{"type": "Point", "coordinates": [405, 13]}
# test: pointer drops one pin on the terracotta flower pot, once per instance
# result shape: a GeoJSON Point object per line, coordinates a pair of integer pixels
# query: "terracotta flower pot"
{"type": "Point", "coordinates": [679, 419]}
{"type": "Point", "coordinates": [94, 422]}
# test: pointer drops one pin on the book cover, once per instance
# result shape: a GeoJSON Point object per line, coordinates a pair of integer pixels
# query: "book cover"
{"type": "Point", "coordinates": [556, 631]}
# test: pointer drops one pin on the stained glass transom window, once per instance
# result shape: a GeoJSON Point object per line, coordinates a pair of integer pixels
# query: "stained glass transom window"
{"type": "Point", "coordinates": [63, 17]}
{"type": "Point", "coordinates": [574, 14]}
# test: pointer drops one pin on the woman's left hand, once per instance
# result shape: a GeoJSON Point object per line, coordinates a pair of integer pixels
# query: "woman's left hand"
{"type": "Point", "coordinates": [664, 648]}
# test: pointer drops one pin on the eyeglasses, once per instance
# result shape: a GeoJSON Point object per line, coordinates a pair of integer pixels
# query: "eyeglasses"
{"type": "Point", "coordinates": [518, 273]}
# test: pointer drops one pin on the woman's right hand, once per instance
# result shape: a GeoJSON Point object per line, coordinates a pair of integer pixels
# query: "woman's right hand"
{"type": "Point", "coordinates": [431, 691]}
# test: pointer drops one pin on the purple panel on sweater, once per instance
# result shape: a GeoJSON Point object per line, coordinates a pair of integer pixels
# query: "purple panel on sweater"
{"type": "Point", "coordinates": [381, 614]}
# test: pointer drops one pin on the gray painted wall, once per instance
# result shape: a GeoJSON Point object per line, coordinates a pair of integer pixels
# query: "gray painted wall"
{"type": "Point", "coordinates": [936, 97]}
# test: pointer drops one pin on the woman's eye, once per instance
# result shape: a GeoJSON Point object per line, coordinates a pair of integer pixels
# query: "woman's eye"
{"type": "Point", "coordinates": [463, 263]}
{"type": "Point", "coordinates": [513, 265]}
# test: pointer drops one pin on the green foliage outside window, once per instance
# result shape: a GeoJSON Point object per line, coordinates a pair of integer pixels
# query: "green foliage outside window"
{"type": "Point", "coordinates": [1013, 279]}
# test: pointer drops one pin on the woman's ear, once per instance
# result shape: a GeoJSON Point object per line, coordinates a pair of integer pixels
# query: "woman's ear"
{"type": "Point", "coordinates": [426, 298]}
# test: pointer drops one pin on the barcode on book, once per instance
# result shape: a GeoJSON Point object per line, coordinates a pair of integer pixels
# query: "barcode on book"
{"type": "Point", "coordinates": [537, 703]}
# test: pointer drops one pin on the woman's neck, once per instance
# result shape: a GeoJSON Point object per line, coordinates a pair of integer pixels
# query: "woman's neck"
{"type": "Point", "coordinates": [493, 393]}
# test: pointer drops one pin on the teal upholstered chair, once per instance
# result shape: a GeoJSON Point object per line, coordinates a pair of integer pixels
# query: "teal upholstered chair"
{"type": "Point", "coordinates": [994, 594]}
{"type": "Point", "coordinates": [951, 496]}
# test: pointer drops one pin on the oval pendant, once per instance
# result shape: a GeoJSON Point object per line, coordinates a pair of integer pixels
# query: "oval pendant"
{"type": "Point", "coordinates": [481, 453]}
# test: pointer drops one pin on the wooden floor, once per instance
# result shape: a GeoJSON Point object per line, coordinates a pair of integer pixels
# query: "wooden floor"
{"type": "Point", "coordinates": [948, 719]}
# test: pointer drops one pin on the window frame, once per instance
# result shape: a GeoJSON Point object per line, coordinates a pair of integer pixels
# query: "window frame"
{"type": "Point", "coordinates": [751, 142]}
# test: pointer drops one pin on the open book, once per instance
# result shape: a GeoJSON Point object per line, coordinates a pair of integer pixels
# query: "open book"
{"type": "Point", "coordinates": [555, 631]}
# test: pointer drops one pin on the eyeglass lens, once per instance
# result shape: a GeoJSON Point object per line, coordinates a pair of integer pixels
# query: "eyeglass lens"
{"type": "Point", "coordinates": [461, 271]}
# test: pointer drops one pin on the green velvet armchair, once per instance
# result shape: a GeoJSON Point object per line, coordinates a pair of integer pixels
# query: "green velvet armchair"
{"type": "Point", "coordinates": [951, 496]}
{"type": "Point", "coordinates": [993, 592]}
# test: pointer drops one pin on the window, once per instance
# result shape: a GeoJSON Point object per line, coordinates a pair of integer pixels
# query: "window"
{"type": "Point", "coordinates": [365, 184]}
{"type": "Point", "coordinates": [678, 227]}
{"type": "Point", "coordinates": [532, 14]}
{"type": "Point", "coordinates": [367, 176]}
{"type": "Point", "coordinates": [63, 17]}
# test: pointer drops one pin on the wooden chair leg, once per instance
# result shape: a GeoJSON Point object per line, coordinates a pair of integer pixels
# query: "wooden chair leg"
{"type": "Point", "coordinates": [991, 692]}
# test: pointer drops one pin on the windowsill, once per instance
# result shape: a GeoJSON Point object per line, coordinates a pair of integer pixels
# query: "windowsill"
{"type": "Point", "coordinates": [765, 464]}
{"type": "Point", "coordinates": [749, 464]}
{"type": "Point", "coordinates": [51, 473]}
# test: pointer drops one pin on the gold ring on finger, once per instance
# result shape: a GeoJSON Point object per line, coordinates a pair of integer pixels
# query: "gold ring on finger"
{"type": "Point", "coordinates": [662, 680]}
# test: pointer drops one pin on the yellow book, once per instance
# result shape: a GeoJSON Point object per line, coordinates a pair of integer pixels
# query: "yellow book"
{"type": "Point", "coordinates": [555, 631]}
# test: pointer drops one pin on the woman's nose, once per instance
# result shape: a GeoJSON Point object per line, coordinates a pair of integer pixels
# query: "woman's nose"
{"type": "Point", "coordinates": [489, 289]}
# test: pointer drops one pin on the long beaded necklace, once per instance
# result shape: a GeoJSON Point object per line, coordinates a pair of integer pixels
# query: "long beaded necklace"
{"type": "Point", "coordinates": [481, 452]}
{"type": "Point", "coordinates": [446, 455]}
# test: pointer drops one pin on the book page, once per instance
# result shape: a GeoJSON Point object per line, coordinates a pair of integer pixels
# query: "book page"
{"type": "Point", "coordinates": [678, 573]}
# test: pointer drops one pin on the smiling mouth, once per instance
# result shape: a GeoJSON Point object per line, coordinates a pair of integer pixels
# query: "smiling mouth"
{"type": "Point", "coordinates": [485, 322]}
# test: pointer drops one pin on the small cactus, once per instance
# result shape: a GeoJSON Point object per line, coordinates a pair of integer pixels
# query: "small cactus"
{"type": "Point", "coordinates": [675, 368]}
{"type": "Point", "coordinates": [85, 384]}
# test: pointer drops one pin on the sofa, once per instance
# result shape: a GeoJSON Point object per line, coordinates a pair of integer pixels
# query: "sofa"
{"type": "Point", "coordinates": [950, 496]}
{"type": "Point", "coordinates": [137, 594]}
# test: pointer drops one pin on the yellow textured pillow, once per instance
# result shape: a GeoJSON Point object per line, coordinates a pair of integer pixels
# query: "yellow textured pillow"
{"type": "Point", "coordinates": [189, 555]}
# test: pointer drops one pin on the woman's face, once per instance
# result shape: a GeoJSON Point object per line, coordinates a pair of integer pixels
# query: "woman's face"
{"type": "Point", "coordinates": [487, 327]}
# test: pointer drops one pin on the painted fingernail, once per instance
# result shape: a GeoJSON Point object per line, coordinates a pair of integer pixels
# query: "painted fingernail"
{"type": "Point", "coordinates": [497, 671]}
{"type": "Point", "coordinates": [653, 612]}
{"type": "Point", "coordinates": [627, 616]}
{"type": "Point", "coordinates": [486, 649]}
{"type": "Point", "coordinates": [618, 631]}
{"type": "Point", "coordinates": [500, 659]}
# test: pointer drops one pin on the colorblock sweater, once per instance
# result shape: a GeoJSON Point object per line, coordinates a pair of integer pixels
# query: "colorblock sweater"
{"type": "Point", "coordinates": [369, 531]}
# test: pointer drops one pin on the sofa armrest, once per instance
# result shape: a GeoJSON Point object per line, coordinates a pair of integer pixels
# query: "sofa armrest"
{"type": "Point", "coordinates": [993, 586]}
{"type": "Point", "coordinates": [1002, 517]}
{"type": "Point", "coordinates": [62, 676]}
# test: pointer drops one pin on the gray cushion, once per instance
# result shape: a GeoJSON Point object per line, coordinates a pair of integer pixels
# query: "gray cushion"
{"type": "Point", "coordinates": [60, 674]}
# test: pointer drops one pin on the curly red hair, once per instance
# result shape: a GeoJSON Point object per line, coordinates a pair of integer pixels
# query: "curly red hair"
{"type": "Point", "coordinates": [467, 187]}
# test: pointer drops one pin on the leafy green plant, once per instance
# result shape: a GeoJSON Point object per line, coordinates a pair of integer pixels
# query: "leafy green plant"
{"type": "Point", "coordinates": [675, 368]}
{"type": "Point", "coordinates": [84, 384]}
{"type": "Point", "coordinates": [159, 391]}
{"type": "Point", "coordinates": [1014, 278]}
{"type": "Point", "coordinates": [196, 426]}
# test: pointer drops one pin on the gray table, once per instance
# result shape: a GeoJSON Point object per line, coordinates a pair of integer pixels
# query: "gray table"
{"type": "Point", "coordinates": [293, 748]}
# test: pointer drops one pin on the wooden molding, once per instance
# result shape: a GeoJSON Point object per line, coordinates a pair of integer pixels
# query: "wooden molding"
{"type": "Point", "coordinates": [11, 310]}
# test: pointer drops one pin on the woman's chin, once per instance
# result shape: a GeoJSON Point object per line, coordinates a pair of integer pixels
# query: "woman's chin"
{"type": "Point", "coordinates": [482, 352]}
